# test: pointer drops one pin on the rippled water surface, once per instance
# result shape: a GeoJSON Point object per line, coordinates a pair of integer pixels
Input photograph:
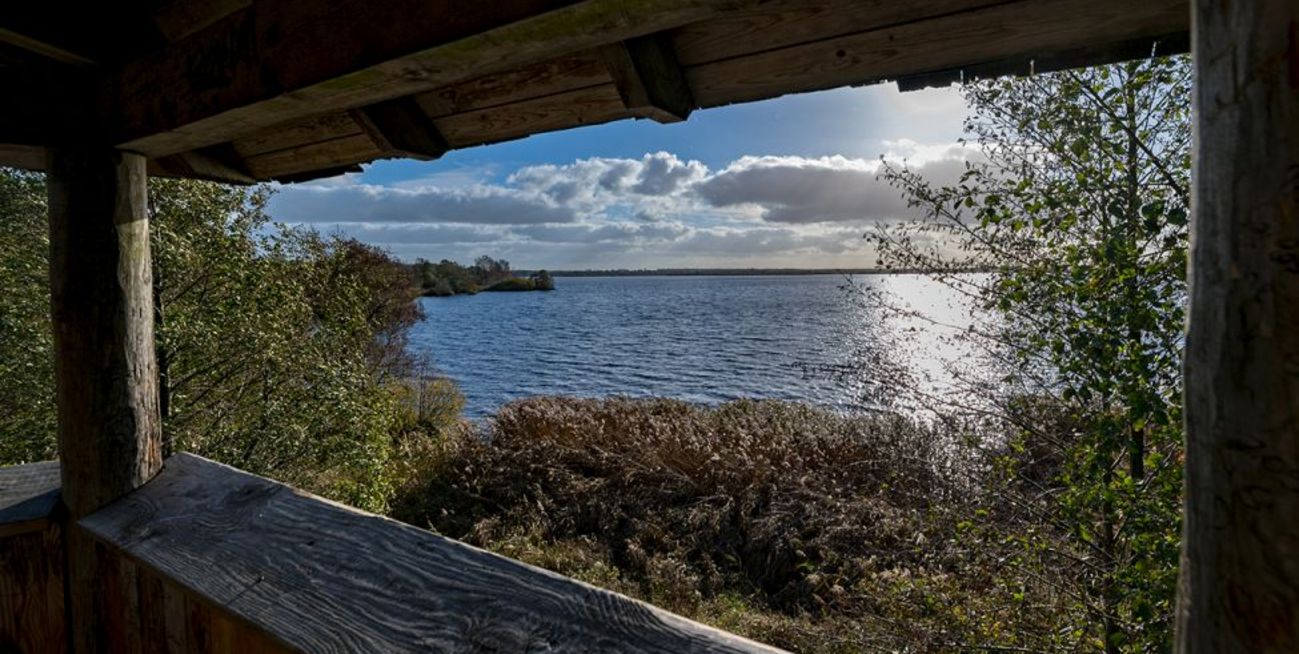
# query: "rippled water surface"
{"type": "Point", "coordinates": [704, 339]}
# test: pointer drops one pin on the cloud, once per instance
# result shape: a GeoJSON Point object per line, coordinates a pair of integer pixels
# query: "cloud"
{"type": "Point", "coordinates": [653, 185]}
{"type": "Point", "coordinates": [659, 209]}
{"type": "Point", "coordinates": [420, 234]}
{"type": "Point", "coordinates": [826, 189]}
{"type": "Point", "coordinates": [606, 233]}
{"type": "Point", "coordinates": [662, 174]}
{"type": "Point", "coordinates": [368, 203]}
{"type": "Point", "coordinates": [770, 240]}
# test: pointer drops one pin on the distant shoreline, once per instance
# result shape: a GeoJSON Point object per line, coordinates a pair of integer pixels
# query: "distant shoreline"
{"type": "Point", "coordinates": [737, 272]}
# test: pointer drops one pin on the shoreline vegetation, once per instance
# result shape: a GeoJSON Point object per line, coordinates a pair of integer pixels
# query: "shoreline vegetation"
{"type": "Point", "coordinates": [756, 272]}
{"type": "Point", "coordinates": [447, 278]}
{"type": "Point", "coordinates": [793, 525]}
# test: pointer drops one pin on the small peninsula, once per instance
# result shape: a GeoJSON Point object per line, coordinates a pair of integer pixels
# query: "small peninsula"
{"type": "Point", "coordinates": [447, 278]}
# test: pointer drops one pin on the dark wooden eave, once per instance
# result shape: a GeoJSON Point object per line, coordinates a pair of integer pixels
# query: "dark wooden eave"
{"type": "Point", "coordinates": [241, 90]}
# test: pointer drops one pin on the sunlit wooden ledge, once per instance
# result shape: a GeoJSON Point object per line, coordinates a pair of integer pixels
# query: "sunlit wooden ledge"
{"type": "Point", "coordinates": [208, 558]}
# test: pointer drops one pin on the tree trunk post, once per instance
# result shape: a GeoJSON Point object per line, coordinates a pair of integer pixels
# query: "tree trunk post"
{"type": "Point", "coordinates": [1239, 587]}
{"type": "Point", "coordinates": [105, 371]}
{"type": "Point", "coordinates": [102, 303]}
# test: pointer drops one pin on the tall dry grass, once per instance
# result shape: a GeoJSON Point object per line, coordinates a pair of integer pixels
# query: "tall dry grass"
{"type": "Point", "coordinates": [794, 525]}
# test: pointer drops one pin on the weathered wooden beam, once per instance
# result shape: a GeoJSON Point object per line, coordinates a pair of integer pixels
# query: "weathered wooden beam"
{"type": "Point", "coordinates": [102, 309]}
{"type": "Point", "coordinates": [1171, 44]}
{"type": "Point", "coordinates": [266, 65]}
{"type": "Point", "coordinates": [1239, 589]}
{"type": "Point", "coordinates": [178, 19]}
{"type": "Point", "coordinates": [777, 24]}
{"type": "Point", "coordinates": [317, 174]}
{"type": "Point", "coordinates": [44, 49]}
{"type": "Point", "coordinates": [400, 127]}
{"type": "Point", "coordinates": [217, 163]}
{"type": "Point", "coordinates": [925, 42]}
{"type": "Point", "coordinates": [303, 162]}
{"type": "Point", "coordinates": [105, 373]}
{"type": "Point", "coordinates": [584, 106]}
{"type": "Point", "coordinates": [23, 157]}
{"type": "Point", "coordinates": [318, 576]}
{"type": "Point", "coordinates": [504, 88]}
{"type": "Point", "coordinates": [649, 79]}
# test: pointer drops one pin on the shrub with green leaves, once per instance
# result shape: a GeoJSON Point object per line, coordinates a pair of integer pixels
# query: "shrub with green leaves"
{"type": "Point", "coordinates": [1078, 206]}
{"type": "Point", "coordinates": [26, 341]}
{"type": "Point", "coordinates": [280, 351]}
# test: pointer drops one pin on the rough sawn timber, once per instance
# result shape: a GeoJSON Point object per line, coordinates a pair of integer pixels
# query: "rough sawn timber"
{"type": "Point", "coordinates": [105, 371]}
{"type": "Point", "coordinates": [265, 65]}
{"type": "Point", "coordinates": [1239, 589]}
{"type": "Point", "coordinates": [320, 577]}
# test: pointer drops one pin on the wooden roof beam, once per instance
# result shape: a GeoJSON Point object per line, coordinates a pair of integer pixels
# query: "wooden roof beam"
{"type": "Point", "coordinates": [181, 18]}
{"type": "Point", "coordinates": [318, 174]}
{"type": "Point", "coordinates": [401, 128]}
{"type": "Point", "coordinates": [264, 66]}
{"type": "Point", "coordinates": [1177, 43]}
{"type": "Point", "coordinates": [218, 163]}
{"type": "Point", "coordinates": [40, 47]}
{"type": "Point", "coordinates": [649, 79]}
{"type": "Point", "coordinates": [1022, 30]}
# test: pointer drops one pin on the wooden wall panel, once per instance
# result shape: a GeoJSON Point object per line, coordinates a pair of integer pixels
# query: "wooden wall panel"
{"type": "Point", "coordinates": [31, 592]}
{"type": "Point", "coordinates": [146, 613]}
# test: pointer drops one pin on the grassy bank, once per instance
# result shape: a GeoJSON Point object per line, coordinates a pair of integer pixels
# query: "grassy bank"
{"type": "Point", "coordinates": [788, 524]}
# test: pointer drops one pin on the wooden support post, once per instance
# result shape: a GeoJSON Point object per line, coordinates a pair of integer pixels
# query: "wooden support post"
{"type": "Point", "coordinates": [1239, 588]}
{"type": "Point", "coordinates": [106, 377]}
{"type": "Point", "coordinates": [102, 304]}
{"type": "Point", "coordinates": [649, 79]}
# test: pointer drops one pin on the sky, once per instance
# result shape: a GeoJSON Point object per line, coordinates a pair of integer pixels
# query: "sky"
{"type": "Point", "coordinates": [784, 183]}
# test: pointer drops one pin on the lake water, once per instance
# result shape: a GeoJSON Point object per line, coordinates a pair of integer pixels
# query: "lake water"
{"type": "Point", "coordinates": [700, 338]}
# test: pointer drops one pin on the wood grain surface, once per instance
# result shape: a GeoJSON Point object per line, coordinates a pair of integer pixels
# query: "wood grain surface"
{"type": "Point", "coordinates": [320, 577]}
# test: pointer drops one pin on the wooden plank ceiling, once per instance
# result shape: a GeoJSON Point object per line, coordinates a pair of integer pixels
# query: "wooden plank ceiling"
{"type": "Point", "coordinates": [247, 90]}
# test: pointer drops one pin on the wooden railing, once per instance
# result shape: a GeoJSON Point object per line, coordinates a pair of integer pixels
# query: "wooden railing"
{"type": "Point", "coordinates": [206, 558]}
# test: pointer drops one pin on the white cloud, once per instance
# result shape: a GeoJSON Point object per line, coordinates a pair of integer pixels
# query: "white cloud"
{"type": "Point", "coordinates": [421, 234]}
{"type": "Point", "coordinates": [655, 210]}
{"type": "Point", "coordinates": [825, 189]}
{"type": "Point", "coordinates": [369, 203]}
{"type": "Point", "coordinates": [603, 233]}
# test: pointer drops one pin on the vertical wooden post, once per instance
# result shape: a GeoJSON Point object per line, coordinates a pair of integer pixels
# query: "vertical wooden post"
{"type": "Point", "coordinates": [1239, 588]}
{"type": "Point", "coordinates": [105, 371]}
{"type": "Point", "coordinates": [102, 300]}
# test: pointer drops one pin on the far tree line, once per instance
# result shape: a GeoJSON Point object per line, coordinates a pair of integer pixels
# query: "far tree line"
{"type": "Point", "coordinates": [447, 277]}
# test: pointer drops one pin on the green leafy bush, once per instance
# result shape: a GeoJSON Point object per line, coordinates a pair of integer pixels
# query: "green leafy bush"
{"type": "Point", "coordinates": [1078, 206]}
{"type": "Point", "coordinates": [27, 429]}
{"type": "Point", "coordinates": [280, 351]}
